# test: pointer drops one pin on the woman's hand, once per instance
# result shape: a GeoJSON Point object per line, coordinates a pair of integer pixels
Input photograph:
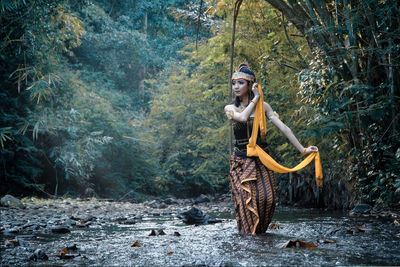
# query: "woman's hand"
{"type": "Point", "coordinates": [311, 149]}
{"type": "Point", "coordinates": [255, 91]}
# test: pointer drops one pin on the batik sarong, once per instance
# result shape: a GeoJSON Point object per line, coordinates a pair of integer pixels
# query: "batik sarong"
{"type": "Point", "coordinates": [253, 193]}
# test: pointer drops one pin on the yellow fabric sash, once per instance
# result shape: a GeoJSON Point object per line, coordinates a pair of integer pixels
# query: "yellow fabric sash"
{"type": "Point", "coordinates": [254, 150]}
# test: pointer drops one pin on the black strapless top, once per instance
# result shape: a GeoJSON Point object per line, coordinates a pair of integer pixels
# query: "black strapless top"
{"type": "Point", "coordinates": [242, 132]}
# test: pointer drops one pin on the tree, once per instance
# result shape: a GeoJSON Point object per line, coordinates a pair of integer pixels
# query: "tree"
{"type": "Point", "coordinates": [358, 42]}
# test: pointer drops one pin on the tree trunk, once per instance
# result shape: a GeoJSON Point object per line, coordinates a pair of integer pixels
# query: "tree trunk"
{"type": "Point", "coordinates": [142, 67]}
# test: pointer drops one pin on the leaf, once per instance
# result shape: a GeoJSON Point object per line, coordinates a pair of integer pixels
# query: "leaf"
{"type": "Point", "coordinates": [153, 233]}
{"type": "Point", "coordinates": [282, 147]}
{"type": "Point", "coordinates": [177, 234]}
{"type": "Point", "coordinates": [136, 244]}
{"type": "Point", "coordinates": [63, 251]}
{"type": "Point", "coordinates": [170, 253]}
{"type": "Point", "coordinates": [161, 232]}
{"type": "Point", "coordinates": [274, 226]}
{"type": "Point", "coordinates": [357, 229]}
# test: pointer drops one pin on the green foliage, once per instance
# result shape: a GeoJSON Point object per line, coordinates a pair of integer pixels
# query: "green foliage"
{"type": "Point", "coordinates": [72, 109]}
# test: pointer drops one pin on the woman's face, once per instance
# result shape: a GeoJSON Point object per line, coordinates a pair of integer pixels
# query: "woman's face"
{"type": "Point", "coordinates": [240, 87]}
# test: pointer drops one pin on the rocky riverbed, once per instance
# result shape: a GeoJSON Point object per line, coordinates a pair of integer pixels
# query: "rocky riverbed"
{"type": "Point", "coordinates": [73, 232]}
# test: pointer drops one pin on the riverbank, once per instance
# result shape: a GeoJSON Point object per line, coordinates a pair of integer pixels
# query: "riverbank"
{"type": "Point", "coordinates": [77, 232]}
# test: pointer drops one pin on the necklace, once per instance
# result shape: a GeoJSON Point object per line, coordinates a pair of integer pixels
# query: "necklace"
{"type": "Point", "coordinates": [242, 107]}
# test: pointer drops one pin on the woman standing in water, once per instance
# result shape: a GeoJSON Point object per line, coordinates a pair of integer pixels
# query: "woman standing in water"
{"type": "Point", "coordinates": [252, 184]}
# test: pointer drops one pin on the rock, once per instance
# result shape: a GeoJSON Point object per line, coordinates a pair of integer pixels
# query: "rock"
{"type": "Point", "coordinates": [70, 222]}
{"type": "Point", "coordinates": [129, 222]}
{"type": "Point", "coordinates": [200, 264]}
{"type": "Point", "coordinates": [90, 218]}
{"type": "Point", "coordinates": [89, 193]}
{"type": "Point", "coordinates": [38, 255]}
{"type": "Point", "coordinates": [196, 216]}
{"type": "Point", "coordinates": [212, 220]}
{"type": "Point", "coordinates": [14, 230]}
{"type": "Point", "coordinates": [153, 204]}
{"type": "Point", "coordinates": [201, 199]}
{"type": "Point", "coordinates": [72, 247]}
{"type": "Point", "coordinates": [138, 217]}
{"type": "Point", "coordinates": [60, 229]}
{"type": "Point", "coordinates": [161, 232]}
{"type": "Point", "coordinates": [361, 208]}
{"type": "Point", "coordinates": [397, 195]}
{"type": "Point", "coordinates": [157, 232]}
{"type": "Point", "coordinates": [26, 225]}
{"type": "Point", "coordinates": [228, 264]}
{"type": "Point", "coordinates": [170, 201]}
{"type": "Point", "coordinates": [82, 224]}
{"type": "Point", "coordinates": [12, 202]}
{"type": "Point", "coordinates": [75, 218]}
{"type": "Point", "coordinates": [10, 243]}
{"type": "Point", "coordinates": [167, 212]}
{"type": "Point", "coordinates": [30, 237]}
{"type": "Point", "coordinates": [153, 233]}
{"type": "Point", "coordinates": [120, 219]}
{"type": "Point", "coordinates": [162, 206]}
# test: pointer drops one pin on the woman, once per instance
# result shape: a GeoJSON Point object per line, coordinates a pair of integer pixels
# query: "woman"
{"type": "Point", "coordinates": [252, 184]}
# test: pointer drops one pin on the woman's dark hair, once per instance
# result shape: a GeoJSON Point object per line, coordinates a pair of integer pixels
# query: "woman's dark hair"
{"type": "Point", "coordinates": [251, 94]}
{"type": "Point", "coordinates": [246, 70]}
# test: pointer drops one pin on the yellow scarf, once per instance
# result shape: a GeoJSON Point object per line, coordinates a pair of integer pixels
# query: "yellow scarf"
{"type": "Point", "coordinates": [254, 150]}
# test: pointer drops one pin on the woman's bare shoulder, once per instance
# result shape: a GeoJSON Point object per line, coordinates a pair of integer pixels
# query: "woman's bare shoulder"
{"type": "Point", "coordinates": [230, 107]}
{"type": "Point", "coordinates": [267, 107]}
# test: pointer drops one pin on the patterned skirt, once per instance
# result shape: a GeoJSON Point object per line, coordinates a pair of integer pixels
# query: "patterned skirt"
{"type": "Point", "coordinates": [253, 193]}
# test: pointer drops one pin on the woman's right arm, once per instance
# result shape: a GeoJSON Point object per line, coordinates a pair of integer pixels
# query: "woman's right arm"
{"type": "Point", "coordinates": [232, 114]}
{"type": "Point", "coordinates": [243, 116]}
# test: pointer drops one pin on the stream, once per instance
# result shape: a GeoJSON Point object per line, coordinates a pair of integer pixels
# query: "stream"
{"type": "Point", "coordinates": [108, 233]}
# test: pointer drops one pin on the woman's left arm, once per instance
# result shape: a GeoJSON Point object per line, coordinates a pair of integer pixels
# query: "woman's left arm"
{"type": "Point", "coordinates": [287, 131]}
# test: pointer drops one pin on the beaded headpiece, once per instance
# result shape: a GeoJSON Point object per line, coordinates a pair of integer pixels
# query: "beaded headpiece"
{"type": "Point", "coordinates": [241, 74]}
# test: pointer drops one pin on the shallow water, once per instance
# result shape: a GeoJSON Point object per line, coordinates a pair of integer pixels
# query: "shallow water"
{"type": "Point", "coordinates": [109, 244]}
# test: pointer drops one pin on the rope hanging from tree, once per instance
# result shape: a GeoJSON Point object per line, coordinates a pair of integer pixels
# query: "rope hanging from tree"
{"type": "Point", "coordinates": [236, 9]}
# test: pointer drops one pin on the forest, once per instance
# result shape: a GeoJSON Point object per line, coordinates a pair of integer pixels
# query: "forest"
{"type": "Point", "coordinates": [125, 99]}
